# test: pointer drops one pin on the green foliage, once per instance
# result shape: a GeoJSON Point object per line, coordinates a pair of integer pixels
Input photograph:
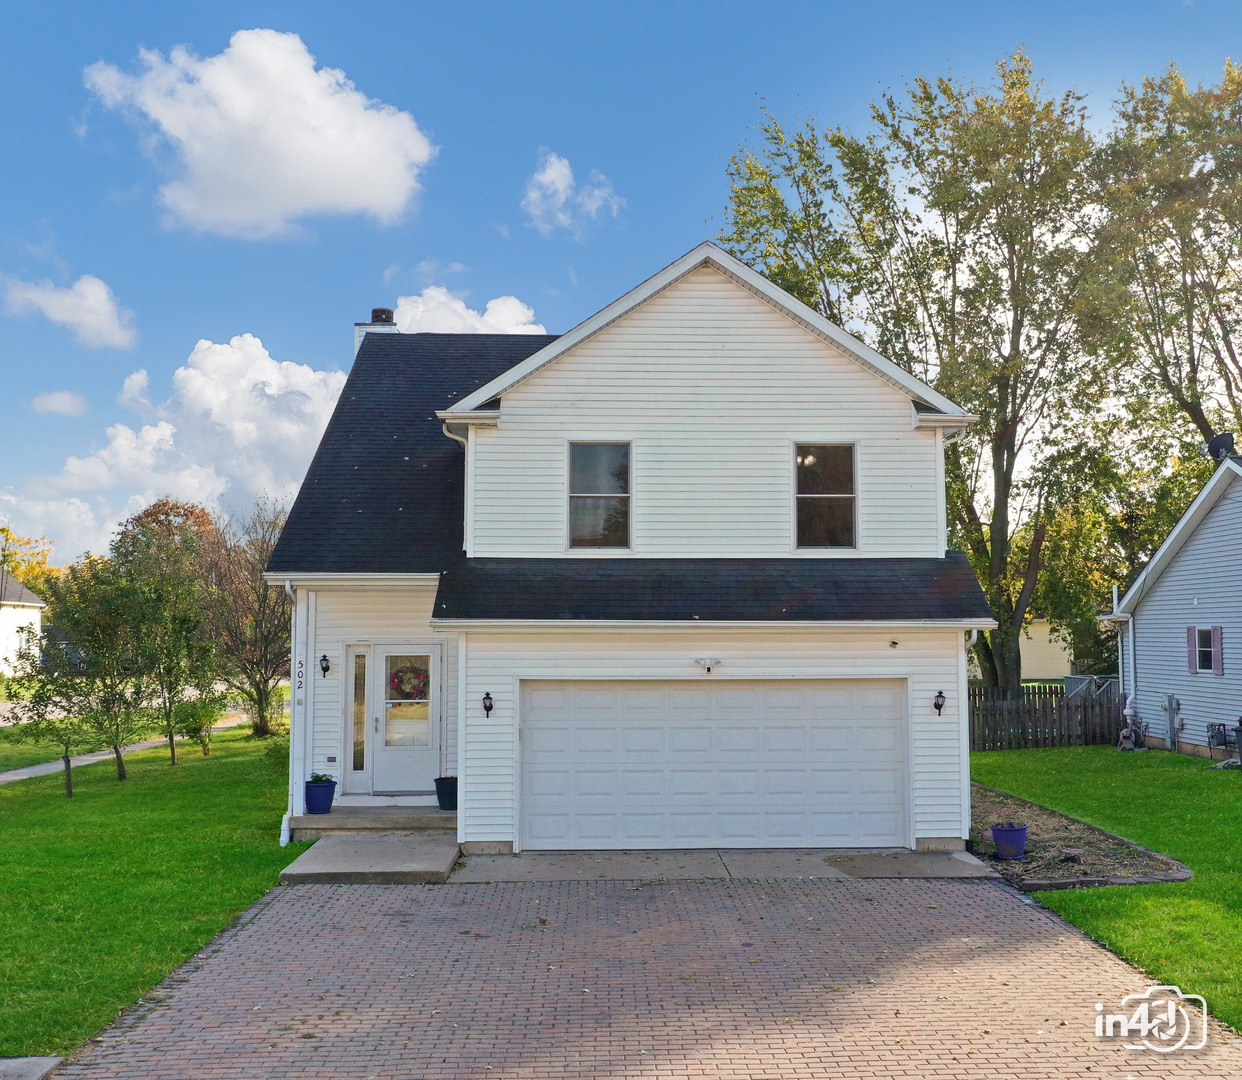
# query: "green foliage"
{"type": "Point", "coordinates": [954, 236]}
{"type": "Point", "coordinates": [92, 676]}
{"type": "Point", "coordinates": [1188, 934]}
{"type": "Point", "coordinates": [163, 552]}
{"type": "Point", "coordinates": [101, 897]}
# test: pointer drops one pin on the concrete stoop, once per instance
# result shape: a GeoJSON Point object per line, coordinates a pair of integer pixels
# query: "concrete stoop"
{"type": "Point", "coordinates": [375, 858]}
{"type": "Point", "coordinates": [372, 819]}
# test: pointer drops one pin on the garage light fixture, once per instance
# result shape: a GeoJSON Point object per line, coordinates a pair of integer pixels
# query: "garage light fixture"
{"type": "Point", "coordinates": [938, 701]}
{"type": "Point", "coordinates": [487, 705]}
{"type": "Point", "coordinates": [707, 663]}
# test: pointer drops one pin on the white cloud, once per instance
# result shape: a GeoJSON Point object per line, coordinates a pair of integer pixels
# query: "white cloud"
{"type": "Point", "coordinates": [60, 403]}
{"type": "Point", "coordinates": [238, 424]}
{"type": "Point", "coordinates": [133, 393]}
{"type": "Point", "coordinates": [263, 137]}
{"type": "Point", "coordinates": [554, 200]}
{"type": "Point", "coordinates": [88, 308]}
{"type": "Point", "coordinates": [437, 311]}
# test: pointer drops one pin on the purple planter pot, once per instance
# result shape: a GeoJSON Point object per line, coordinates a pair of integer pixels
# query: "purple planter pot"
{"type": "Point", "coordinates": [1010, 843]}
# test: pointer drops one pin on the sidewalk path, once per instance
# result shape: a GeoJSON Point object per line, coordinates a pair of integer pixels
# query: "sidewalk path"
{"type": "Point", "coordinates": [44, 768]}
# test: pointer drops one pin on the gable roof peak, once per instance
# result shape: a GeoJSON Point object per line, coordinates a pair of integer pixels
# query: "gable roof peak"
{"type": "Point", "coordinates": [710, 254]}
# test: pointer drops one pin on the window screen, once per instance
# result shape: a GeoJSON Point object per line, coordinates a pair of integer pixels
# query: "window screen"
{"type": "Point", "coordinates": [826, 497]}
{"type": "Point", "coordinates": [599, 495]}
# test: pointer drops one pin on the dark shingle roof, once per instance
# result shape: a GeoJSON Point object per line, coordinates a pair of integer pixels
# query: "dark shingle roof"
{"type": "Point", "coordinates": [383, 493]}
{"type": "Point", "coordinates": [660, 590]}
{"type": "Point", "coordinates": [13, 591]}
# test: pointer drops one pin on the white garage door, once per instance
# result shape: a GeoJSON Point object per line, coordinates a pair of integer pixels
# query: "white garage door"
{"type": "Point", "coordinates": [782, 763]}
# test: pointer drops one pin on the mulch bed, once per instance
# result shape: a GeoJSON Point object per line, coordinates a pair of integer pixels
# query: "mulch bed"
{"type": "Point", "coordinates": [1062, 853]}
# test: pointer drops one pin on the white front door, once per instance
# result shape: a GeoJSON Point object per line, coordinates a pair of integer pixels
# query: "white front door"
{"type": "Point", "coordinates": [393, 720]}
{"type": "Point", "coordinates": [714, 763]}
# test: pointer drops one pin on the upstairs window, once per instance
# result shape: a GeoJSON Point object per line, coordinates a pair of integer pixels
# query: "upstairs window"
{"type": "Point", "coordinates": [826, 497]}
{"type": "Point", "coordinates": [1203, 650]}
{"type": "Point", "coordinates": [599, 495]}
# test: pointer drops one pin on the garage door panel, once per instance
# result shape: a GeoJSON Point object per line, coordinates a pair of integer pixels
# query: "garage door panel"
{"type": "Point", "coordinates": [689, 740]}
{"type": "Point", "coordinates": [734, 739]}
{"type": "Point", "coordinates": [789, 763]}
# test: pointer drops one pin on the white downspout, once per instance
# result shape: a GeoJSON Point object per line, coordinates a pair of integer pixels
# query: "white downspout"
{"type": "Point", "coordinates": [455, 438]}
{"type": "Point", "coordinates": [284, 821]}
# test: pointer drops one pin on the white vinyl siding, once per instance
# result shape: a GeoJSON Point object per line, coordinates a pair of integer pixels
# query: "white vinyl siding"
{"type": "Point", "coordinates": [1200, 587]}
{"type": "Point", "coordinates": [711, 386]}
{"type": "Point", "coordinates": [497, 662]}
{"type": "Point", "coordinates": [345, 616]}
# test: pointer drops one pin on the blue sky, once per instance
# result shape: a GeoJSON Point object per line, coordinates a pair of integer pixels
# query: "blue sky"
{"type": "Point", "coordinates": [148, 206]}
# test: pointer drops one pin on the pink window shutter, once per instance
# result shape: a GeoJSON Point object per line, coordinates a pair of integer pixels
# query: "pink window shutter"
{"type": "Point", "coordinates": [1192, 650]}
{"type": "Point", "coordinates": [1218, 659]}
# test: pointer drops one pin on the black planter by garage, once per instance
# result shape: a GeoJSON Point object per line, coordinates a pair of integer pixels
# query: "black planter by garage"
{"type": "Point", "coordinates": [446, 792]}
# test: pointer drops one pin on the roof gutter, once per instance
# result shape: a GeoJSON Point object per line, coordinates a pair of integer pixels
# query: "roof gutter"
{"type": "Point", "coordinates": [713, 624]}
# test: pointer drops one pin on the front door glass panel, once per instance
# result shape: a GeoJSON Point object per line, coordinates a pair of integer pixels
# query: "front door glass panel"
{"type": "Point", "coordinates": [407, 704]}
{"type": "Point", "coordinates": [360, 712]}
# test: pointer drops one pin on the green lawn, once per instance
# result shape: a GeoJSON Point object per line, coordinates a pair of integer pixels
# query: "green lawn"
{"type": "Point", "coordinates": [102, 895]}
{"type": "Point", "coordinates": [17, 755]}
{"type": "Point", "coordinates": [1187, 933]}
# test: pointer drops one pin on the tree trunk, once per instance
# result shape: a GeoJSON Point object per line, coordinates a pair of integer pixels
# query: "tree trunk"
{"type": "Point", "coordinates": [121, 774]}
{"type": "Point", "coordinates": [205, 743]}
{"type": "Point", "coordinates": [68, 775]}
{"type": "Point", "coordinates": [172, 747]}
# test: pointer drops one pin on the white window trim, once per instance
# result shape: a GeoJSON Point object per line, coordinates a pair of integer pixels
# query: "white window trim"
{"type": "Point", "coordinates": [595, 552]}
{"type": "Point", "coordinates": [824, 552]}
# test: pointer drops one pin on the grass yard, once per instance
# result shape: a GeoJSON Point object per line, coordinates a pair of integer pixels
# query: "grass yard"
{"type": "Point", "coordinates": [17, 755]}
{"type": "Point", "coordinates": [102, 895]}
{"type": "Point", "coordinates": [1188, 933]}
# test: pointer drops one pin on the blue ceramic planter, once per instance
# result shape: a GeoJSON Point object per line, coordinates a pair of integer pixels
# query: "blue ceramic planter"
{"type": "Point", "coordinates": [319, 797]}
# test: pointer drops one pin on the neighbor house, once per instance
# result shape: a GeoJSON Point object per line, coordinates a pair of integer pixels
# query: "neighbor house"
{"type": "Point", "coordinates": [1180, 624]}
{"type": "Point", "coordinates": [19, 608]}
{"type": "Point", "coordinates": [677, 578]}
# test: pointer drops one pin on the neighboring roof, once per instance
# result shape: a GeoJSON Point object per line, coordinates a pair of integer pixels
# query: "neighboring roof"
{"type": "Point", "coordinates": [1228, 471]}
{"type": "Point", "coordinates": [713, 590]}
{"type": "Point", "coordinates": [14, 592]}
{"type": "Point", "coordinates": [709, 254]}
{"type": "Point", "coordinates": [384, 492]}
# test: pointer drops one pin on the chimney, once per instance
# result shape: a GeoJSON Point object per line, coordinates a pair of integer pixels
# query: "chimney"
{"type": "Point", "coordinates": [382, 322]}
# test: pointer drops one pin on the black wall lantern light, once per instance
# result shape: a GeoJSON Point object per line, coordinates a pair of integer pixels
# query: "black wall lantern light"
{"type": "Point", "coordinates": [325, 665]}
{"type": "Point", "coordinates": [487, 705]}
{"type": "Point", "coordinates": [938, 701]}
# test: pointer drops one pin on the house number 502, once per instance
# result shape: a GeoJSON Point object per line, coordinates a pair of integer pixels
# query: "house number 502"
{"type": "Point", "coordinates": [301, 672]}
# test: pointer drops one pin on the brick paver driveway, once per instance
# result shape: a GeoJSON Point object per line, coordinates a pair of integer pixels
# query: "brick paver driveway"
{"type": "Point", "coordinates": [834, 978]}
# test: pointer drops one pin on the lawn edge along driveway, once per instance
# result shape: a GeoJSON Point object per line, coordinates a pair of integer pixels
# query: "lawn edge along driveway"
{"type": "Point", "coordinates": [1188, 933]}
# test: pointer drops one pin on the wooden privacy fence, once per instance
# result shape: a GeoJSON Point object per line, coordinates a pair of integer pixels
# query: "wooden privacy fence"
{"type": "Point", "coordinates": [1038, 716]}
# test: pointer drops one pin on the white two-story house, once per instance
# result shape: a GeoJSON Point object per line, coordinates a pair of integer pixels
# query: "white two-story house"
{"type": "Point", "coordinates": [677, 578]}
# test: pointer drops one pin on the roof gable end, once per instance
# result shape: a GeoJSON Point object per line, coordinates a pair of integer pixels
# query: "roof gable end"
{"type": "Point", "coordinates": [710, 254]}
{"type": "Point", "coordinates": [1229, 471]}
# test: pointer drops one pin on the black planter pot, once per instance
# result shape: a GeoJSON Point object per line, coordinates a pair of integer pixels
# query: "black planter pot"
{"type": "Point", "coordinates": [319, 797]}
{"type": "Point", "coordinates": [446, 792]}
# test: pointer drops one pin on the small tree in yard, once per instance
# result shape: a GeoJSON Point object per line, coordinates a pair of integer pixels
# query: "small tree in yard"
{"type": "Point", "coordinates": [251, 620]}
{"type": "Point", "coordinates": [162, 552]}
{"type": "Point", "coordinates": [92, 668]}
{"type": "Point", "coordinates": [43, 666]}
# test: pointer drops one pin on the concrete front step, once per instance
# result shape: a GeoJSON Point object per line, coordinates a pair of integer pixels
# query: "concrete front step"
{"type": "Point", "coordinates": [375, 819]}
{"type": "Point", "coordinates": [375, 859]}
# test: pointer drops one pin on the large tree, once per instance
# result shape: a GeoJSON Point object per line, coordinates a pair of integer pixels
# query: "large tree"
{"type": "Point", "coordinates": [1169, 296]}
{"type": "Point", "coordinates": [956, 237]}
{"type": "Point", "coordinates": [251, 620]}
{"type": "Point", "coordinates": [163, 551]}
